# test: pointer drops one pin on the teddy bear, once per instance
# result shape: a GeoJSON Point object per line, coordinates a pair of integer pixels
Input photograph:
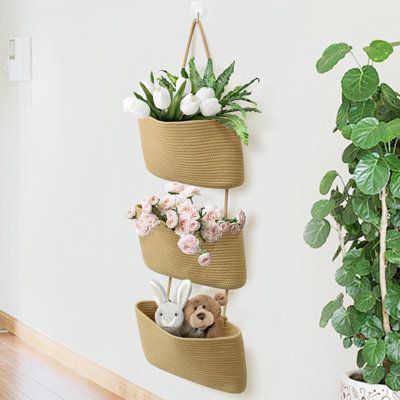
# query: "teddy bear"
{"type": "Point", "coordinates": [201, 316]}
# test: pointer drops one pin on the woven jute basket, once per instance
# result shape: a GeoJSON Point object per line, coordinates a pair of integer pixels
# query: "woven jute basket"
{"type": "Point", "coordinates": [217, 363]}
{"type": "Point", "coordinates": [200, 152]}
{"type": "Point", "coordinates": [228, 265]}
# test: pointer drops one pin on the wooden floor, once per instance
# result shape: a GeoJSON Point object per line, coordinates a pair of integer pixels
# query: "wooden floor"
{"type": "Point", "coordinates": [28, 374]}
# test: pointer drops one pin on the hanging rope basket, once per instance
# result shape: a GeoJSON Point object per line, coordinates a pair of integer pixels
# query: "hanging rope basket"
{"type": "Point", "coordinates": [217, 363]}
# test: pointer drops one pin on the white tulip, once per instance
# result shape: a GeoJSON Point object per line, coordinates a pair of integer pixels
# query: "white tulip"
{"type": "Point", "coordinates": [138, 108]}
{"type": "Point", "coordinates": [188, 86]}
{"type": "Point", "coordinates": [190, 104]}
{"type": "Point", "coordinates": [149, 86]}
{"type": "Point", "coordinates": [161, 97]}
{"type": "Point", "coordinates": [210, 107]}
{"type": "Point", "coordinates": [205, 93]}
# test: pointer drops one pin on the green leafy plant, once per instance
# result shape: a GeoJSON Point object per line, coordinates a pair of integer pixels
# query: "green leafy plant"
{"type": "Point", "coordinates": [192, 96]}
{"type": "Point", "coordinates": [364, 210]}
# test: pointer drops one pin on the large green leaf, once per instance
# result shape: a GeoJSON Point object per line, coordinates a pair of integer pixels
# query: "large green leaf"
{"type": "Point", "coordinates": [347, 131]}
{"type": "Point", "coordinates": [360, 110]}
{"type": "Point", "coordinates": [322, 208]}
{"type": "Point", "coordinates": [365, 301]}
{"type": "Point", "coordinates": [367, 133]}
{"type": "Point", "coordinates": [371, 174]}
{"type": "Point", "coordinates": [329, 309]}
{"type": "Point", "coordinates": [195, 78]}
{"type": "Point", "coordinates": [327, 181]}
{"type": "Point", "coordinates": [372, 327]}
{"type": "Point", "coordinates": [374, 351]}
{"type": "Point", "coordinates": [350, 153]}
{"type": "Point", "coordinates": [209, 77]}
{"type": "Point", "coordinates": [316, 232]}
{"type": "Point", "coordinates": [174, 110]}
{"type": "Point", "coordinates": [341, 116]}
{"type": "Point", "coordinates": [395, 184]}
{"type": "Point", "coordinates": [348, 321]}
{"type": "Point", "coordinates": [390, 97]}
{"type": "Point", "coordinates": [393, 162]}
{"type": "Point", "coordinates": [392, 130]}
{"type": "Point", "coordinates": [393, 240]}
{"type": "Point", "coordinates": [331, 56]}
{"type": "Point", "coordinates": [365, 208]}
{"type": "Point", "coordinates": [379, 50]}
{"type": "Point", "coordinates": [360, 84]}
{"type": "Point", "coordinates": [393, 377]}
{"type": "Point", "coordinates": [393, 256]}
{"type": "Point", "coordinates": [358, 286]}
{"type": "Point", "coordinates": [222, 80]}
{"type": "Point", "coordinates": [237, 124]}
{"type": "Point", "coordinates": [392, 300]}
{"type": "Point", "coordinates": [345, 276]}
{"type": "Point", "coordinates": [373, 375]}
{"type": "Point", "coordinates": [393, 347]}
{"type": "Point", "coordinates": [349, 217]}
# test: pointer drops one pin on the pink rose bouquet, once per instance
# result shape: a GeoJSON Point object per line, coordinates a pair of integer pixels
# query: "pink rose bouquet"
{"type": "Point", "coordinates": [193, 224]}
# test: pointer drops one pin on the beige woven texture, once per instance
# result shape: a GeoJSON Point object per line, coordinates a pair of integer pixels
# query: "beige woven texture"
{"type": "Point", "coordinates": [217, 363]}
{"type": "Point", "coordinates": [200, 153]}
{"type": "Point", "coordinates": [228, 265]}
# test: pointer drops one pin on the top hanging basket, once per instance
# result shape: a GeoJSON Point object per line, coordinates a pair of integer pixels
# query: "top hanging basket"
{"type": "Point", "coordinates": [200, 152]}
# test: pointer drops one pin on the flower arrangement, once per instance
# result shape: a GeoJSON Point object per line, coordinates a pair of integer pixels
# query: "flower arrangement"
{"type": "Point", "coordinates": [194, 225]}
{"type": "Point", "coordinates": [365, 212]}
{"type": "Point", "coordinates": [192, 96]}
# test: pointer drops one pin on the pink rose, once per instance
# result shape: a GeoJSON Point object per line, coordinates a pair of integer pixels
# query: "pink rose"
{"type": "Point", "coordinates": [234, 228]}
{"type": "Point", "coordinates": [131, 213]}
{"type": "Point", "coordinates": [153, 200]}
{"type": "Point", "coordinates": [172, 219]}
{"type": "Point", "coordinates": [174, 187]}
{"type": "Point", "coordinates": [146, 206]}
{"type": "Point", "coordinates": [194, 226]}
{"type": "Point", "coordinates": [204, 259]}
{"type": "Point", "coordinates": [166, 203]}
{"type": "Point", "coordinates": [224, 226]}
{"type": "Point", "coordinates": [183, 226]}
{"type": "Point", "coordinates": [241, 218]}
{"type": "Point", "coordinates": [188, 244]}
{"type": "Point", "coordinates": [212, 233]}
{"type": "Point", "coordinates": [142, 228]}
{"type": "Point", "coordinates": [150, 219]}
{"type": "Point", "coordinates": [211, 215]}
{"type": "Point", "coordinates": [190, 191]}
{"type": "Point", "coordinates": [186, 209]}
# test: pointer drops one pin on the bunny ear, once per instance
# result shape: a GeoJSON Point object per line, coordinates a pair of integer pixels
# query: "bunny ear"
{"type": "Point", "coordinates": [183, 292]}
{"type": "Point", "coordinates": [159, 292]}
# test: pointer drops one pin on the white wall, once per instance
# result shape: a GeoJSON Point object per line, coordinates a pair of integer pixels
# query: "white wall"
{"type": "Point", "coordinates": [70, 166]}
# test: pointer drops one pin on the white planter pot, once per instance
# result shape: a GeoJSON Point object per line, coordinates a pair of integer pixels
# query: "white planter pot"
{"type": "Point", "coordinates": [356, 390]}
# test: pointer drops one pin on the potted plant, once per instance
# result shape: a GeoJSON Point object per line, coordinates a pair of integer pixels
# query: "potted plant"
{"type": "Point", "coordinates": [364, 210]}
{"type": "Point", "coordinates": [191, 120]}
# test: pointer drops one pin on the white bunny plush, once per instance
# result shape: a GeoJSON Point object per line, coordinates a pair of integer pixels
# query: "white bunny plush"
{"type": "Point", "coordinates": [169, 314]}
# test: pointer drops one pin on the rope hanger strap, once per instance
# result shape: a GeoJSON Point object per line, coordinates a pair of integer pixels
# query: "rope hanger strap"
{"type": "Point", "coordinates": [195, 22]}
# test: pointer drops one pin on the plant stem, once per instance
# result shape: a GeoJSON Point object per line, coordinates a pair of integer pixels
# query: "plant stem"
{"type": "Point", "coordinates": [355, 59]}
{"type": "Point", "coordinates": [394, 44]}
{"type": "Point", "coordinates": [382, 260]}
{"type": "Point", "coordinates": [341, 239]}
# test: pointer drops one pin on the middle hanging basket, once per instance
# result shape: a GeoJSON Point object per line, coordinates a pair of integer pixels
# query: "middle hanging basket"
{"type": "Point", "coordinates": [199, 152]}
{"type": "Point", "coordinates": [227, 269]}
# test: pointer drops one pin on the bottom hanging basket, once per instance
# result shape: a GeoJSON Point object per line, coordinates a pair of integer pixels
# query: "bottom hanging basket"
{"type": "Point", "coordinates": [217, 363]}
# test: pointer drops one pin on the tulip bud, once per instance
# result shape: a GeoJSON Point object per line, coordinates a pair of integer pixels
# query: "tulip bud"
{"type": "Point", "coordinates": [149, 86]}
{"type": "Point", "coordinates": [138, 108]}
{"type": "Point", "coordinates": [210, 107]}
{"type": "Point", "coordinates": [190, 104]}
{"type": "Point", "coordinates": [161, 98]}
{"type": "Point", "coordinates": [188, 86]}
{"type": "Point", "coordinates": [205, 93]}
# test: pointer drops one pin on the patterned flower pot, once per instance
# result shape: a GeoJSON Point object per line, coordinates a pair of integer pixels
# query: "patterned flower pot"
{"type": "Point", "coordinates": [352, 389]}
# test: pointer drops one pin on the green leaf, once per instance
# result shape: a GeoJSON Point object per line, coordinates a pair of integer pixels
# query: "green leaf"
{"type": "Point", "coordinates": [223, 80]}
{"type": "Point", "coordinates": [347, 131]}
{"type": "Point", "coordinates": [327, 181]}
{"type": "Point", "coordinates": [347, 342]}
{"type": "Point", "coordinates": [392, 301]}
{"type": "Point", "coordinates": [361, 110]}
{"type": "Point", "coordinates": [372, 327]}
{"type": "Point", "coordinates": [390, 97]}
{"type": "Point", "coordinates": [316, 232]}
{"type": "Point", "coordinates": [358, 342]}
{"type": "Point", "coordinates": [331, 56]}
{"type": "Point", "coordinates": [174, 110]}
{"type": "Point", "coordinates": [322, 208]}
{"type": "Point", "coordinates": [365, 208]}
{"type": "Point", "coordinates": [393, 240]}
{"type": "Point", "coordinates": [195, 77]}
{"type": "Point", "coordinates": [358, 286]}
{"type": "Point", "coordinates": [371, 174]}
{"type": "Point", "coordinates": [365, 301]}
{"type": "Point", "coordinates": [393, 256]}
{"type": "Point", "coordinates": [345, 276]}
{"type": "Point", "coordinates": [368, 133]}
{"type": "Point", "coordinates": [350, 153]}
{"type": "Point", "coordinates": [392, 130]}
{"type": "Point", "coordinates": [209, 77]}
{"type": "Point", "coordinates": [237, 124]}
{"type": "Point", "coordinates": [360, 84]}
{"type": "Point", "coordinates": [341, 117]}
{"type": "Point", "coordinates": [149, 100]}
{"type": "Point", "coordinates": [360, 359]}
{"type": "Point", "coordinates": [329, 309]}
{"type": "Point", "coordinates": [395, 184]}
{"type": "Point", "coordinates": [393, 377]}
{"type": "Point", "coordinates": [348, 321]}
{"type": "Point", "coordinates": [393, 347]}
{"type": "Point", "coordinates": [349, 217]}
{"type": "Point", "coordinates": [393, 162]}
{"type": "Point", "coordinates": [362, 267]}
{"type": "Point", "coordinates": [373, 375]}
{"type": "Point", "coordinates": [379, 50]}
{"type": "Point", "coordinates": [374, 351]}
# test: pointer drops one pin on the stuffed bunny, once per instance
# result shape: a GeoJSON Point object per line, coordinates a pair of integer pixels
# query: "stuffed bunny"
{"type": "Point", "coordinates": [169, 314]}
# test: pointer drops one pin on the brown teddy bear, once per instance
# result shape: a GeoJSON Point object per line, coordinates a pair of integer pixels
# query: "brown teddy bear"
{"type": "Point", "coordinates": [201, 314]}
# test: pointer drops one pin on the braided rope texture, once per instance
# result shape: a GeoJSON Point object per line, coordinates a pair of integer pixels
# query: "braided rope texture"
{"type": "Point", "coordinates": [216, 363]}
{"type": "Point", "coordinates": [200, 152]}
{"type": "Point", "coordinates": [226, 271]}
